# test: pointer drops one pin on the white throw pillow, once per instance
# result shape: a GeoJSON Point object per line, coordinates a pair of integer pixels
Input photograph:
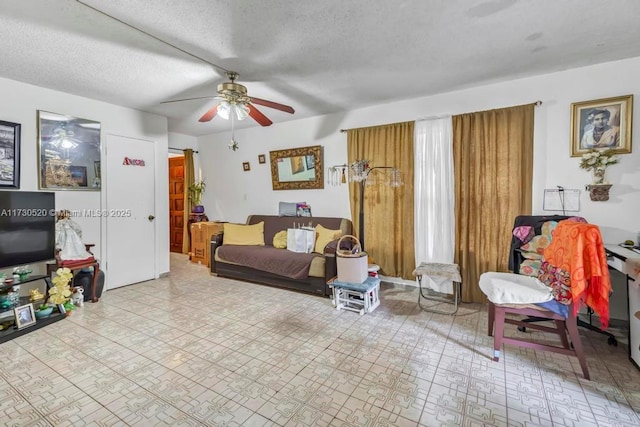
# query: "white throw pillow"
{"type": "Point", "coordinates": [509, 288]}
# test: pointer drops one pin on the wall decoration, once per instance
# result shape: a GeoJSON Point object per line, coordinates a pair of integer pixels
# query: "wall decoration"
{"type": "Point", "coordinates": [601, 124]}
{"type": "Point", "coordinates": [9, 155]}
{"type": "Point", "coordinates": [68, 150]}
{"type": "Point", "coordinates": [246, 166]}
{"type": "Point", "coordinates": [262, 158]}
{"type": "Point", "coordinates": [297, 168]}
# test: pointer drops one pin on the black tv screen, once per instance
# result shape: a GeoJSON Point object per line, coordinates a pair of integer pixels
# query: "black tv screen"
{"type": "Point", "coordinates": [27, 227]}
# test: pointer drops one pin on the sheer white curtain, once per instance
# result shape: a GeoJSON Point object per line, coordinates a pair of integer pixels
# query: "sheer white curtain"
{"type": "Point", "coordinates": [434, 196]}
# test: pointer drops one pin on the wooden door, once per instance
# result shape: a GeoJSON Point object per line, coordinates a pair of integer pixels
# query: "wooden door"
{"type": "Point", "coordinates": [176, 203]}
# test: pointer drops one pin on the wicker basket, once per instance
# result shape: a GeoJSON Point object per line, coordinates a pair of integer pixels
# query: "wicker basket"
{"type": "Point", "coordinates": [355, 251]}
{"type": "Point", "coordinates": [352, 264]}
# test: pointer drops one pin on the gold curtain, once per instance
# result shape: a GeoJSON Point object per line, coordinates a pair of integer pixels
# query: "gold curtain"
{"type": "Point", "coordinates": [493, 167]}
{"type": "Point", "coordinates": [388, 210]}
{"type": "Point", "coordinates": [189, 178]}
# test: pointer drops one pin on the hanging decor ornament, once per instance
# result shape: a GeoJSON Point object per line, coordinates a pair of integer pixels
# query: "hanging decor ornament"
{"type": "Point", "coordinates": [233, 145]}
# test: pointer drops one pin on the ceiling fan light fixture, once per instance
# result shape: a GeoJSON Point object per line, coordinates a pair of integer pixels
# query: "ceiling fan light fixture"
{"type": "Point", "coordinates": [224, 110]}
{"type": "Point", "coordinates": [242, 111]}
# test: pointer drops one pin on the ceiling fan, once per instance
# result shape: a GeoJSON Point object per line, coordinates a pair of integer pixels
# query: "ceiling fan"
{"type": "Point", "coordinates": [234, 101]}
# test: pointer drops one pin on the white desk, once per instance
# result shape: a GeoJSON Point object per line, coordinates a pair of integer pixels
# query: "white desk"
{"type": "Point", "coordinates": [627, 262]}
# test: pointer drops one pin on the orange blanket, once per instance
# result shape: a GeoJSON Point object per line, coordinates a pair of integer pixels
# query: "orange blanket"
{"type": "Point", "coordinates": [577, 248]}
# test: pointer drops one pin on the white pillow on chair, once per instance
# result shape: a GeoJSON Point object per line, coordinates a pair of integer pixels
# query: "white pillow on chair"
{"type": "Point", "coordinates": [510, 288]}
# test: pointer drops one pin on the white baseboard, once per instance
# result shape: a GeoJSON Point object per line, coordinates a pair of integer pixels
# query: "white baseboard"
{"type": "Point", "coordinates": [398, 280]}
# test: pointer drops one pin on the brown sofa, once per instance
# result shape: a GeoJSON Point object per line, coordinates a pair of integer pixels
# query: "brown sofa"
{"type": "Point", "coordinates": [323, 266]}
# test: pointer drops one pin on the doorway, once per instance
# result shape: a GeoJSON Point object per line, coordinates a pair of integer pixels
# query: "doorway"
{"type": "Point", "coordinates": [176, 203]}
{"type": "Point", "coordinates": [130, 202]}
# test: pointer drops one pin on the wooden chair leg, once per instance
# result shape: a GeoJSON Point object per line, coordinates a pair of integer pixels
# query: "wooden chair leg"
{"type": "Point", "coordinates": [491, 311]}
{"type": "Point", "coordinates": [562, 328]}
{"type": "Point", "coordinates": [499, 332]}
{"type": "Point", "coordinates": [572, 327]}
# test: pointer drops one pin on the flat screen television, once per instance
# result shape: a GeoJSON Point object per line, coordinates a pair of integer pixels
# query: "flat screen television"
{"type": "Point", "coordinates": [27, 227]}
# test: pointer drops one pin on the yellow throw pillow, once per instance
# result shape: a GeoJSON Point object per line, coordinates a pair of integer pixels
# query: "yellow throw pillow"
{"type": "Point", "coordinates": [324, 236]}
{"type": "Point", "coordinates": [280, 240]}
{"type": "Point", "coordinates": [240, 234]}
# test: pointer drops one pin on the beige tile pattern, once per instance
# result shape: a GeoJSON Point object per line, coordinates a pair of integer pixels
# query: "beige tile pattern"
{"type": "Point", "coordinates": [196, 350]}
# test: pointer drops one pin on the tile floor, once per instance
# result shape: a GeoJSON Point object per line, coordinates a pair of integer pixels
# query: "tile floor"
{"type": "Point", "coordinates": [192, 349]}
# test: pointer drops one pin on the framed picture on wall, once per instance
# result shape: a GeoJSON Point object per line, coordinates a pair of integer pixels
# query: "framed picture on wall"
{"type": "Point", "coordinates": [9, 155]}
{"type": "Point", "coordinates": [601, 124]}
{"type": "Point", "coordinates": [68, 150]}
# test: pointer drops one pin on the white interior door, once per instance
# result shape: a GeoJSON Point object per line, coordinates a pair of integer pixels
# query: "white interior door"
{"type": "Point", "coordinates": [130, 211]}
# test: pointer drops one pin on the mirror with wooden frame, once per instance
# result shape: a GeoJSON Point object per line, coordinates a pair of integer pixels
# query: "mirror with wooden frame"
{"type": "Point", "coordinates": [297, 168]}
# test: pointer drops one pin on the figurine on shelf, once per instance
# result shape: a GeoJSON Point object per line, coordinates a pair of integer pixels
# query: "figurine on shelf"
{"type": "Point", "coordinates": [68, 238]}
{"type": "Point", "coordinates": [77, 296]}
{"type": "Point", "coordinates": [35, 295]}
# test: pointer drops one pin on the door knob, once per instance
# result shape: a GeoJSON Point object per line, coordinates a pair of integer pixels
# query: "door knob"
{"type": "Point", "coordinates": [151, 218]}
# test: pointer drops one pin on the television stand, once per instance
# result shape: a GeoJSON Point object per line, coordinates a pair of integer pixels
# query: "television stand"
{"type": "Point", "coordinates": [12, 332]}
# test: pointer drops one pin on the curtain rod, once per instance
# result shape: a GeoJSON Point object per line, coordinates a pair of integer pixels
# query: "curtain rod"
{"type": "Point", "coordinates": [537, 104]}
{"type": "Point", "coordinates": [182, 149]}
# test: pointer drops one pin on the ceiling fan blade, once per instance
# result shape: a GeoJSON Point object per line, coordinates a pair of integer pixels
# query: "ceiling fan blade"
{"type": "Point", "coordinates": [187, 99]}
{"type": "Point", "coordinates": [272, 104]}
{"type": "Point", "coordinates": [209, 114]}
{"type": "Point", "coordinates": [258, 116]}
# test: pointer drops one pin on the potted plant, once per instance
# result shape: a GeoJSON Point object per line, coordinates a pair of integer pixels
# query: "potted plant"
{"type": "Point", "coordinates": [195, 191]}
{"type": "Point", "coordinates": [43, 310]}
{"type": "Point", "coordinates": [597, 161]}
{"type": "Point", "coordinates": [60, 292]}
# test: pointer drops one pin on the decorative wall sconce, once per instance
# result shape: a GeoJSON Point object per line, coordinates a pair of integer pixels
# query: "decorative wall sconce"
{"type": "Point", "coordinates": [599, 192]}
{"type": "Point", "coordinates": [597, 161]}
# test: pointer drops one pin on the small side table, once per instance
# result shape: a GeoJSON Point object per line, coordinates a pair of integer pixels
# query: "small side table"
{"type": "Point", "coordinates": [359, 297]}
{"type": "Point", "coordinates": [444, 271]}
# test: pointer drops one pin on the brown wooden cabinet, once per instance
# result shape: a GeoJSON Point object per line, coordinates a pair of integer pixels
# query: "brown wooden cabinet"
{"type": "Point", "coordinates": [201, 233]}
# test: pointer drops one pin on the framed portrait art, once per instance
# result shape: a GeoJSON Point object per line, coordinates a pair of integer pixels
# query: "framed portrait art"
{"type": "Point", "coordinates": [25, 316]}
{"type": "Point", "coordinates": [9, 155]}
{"type": "Point", "coordinates": [603, 123]}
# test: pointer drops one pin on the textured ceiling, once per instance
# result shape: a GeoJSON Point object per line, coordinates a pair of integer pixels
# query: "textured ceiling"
{"type": "Point", "coordinates": [317, 56]}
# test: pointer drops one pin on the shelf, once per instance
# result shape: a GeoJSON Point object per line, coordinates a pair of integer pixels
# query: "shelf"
{"type": "Point", "coordinates": [11, 333]}
{"type": "Point", "coordinates": [31, 278]}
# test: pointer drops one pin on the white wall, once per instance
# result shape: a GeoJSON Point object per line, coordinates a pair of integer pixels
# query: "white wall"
{"type": "Point", "coordinates": [181, 141]}
{"type": "Point", "coordinates": [232, 194]}
{"type": "Point", "coordinates": [20, 104]}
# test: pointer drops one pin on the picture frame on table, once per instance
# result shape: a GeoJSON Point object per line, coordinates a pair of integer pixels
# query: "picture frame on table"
{"type": "Point", "coordinates": [601, 124]}
{"type": "Point", "coordinates": [9, 154]}
{"type": "Point", "coordinates": [25, 316]}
